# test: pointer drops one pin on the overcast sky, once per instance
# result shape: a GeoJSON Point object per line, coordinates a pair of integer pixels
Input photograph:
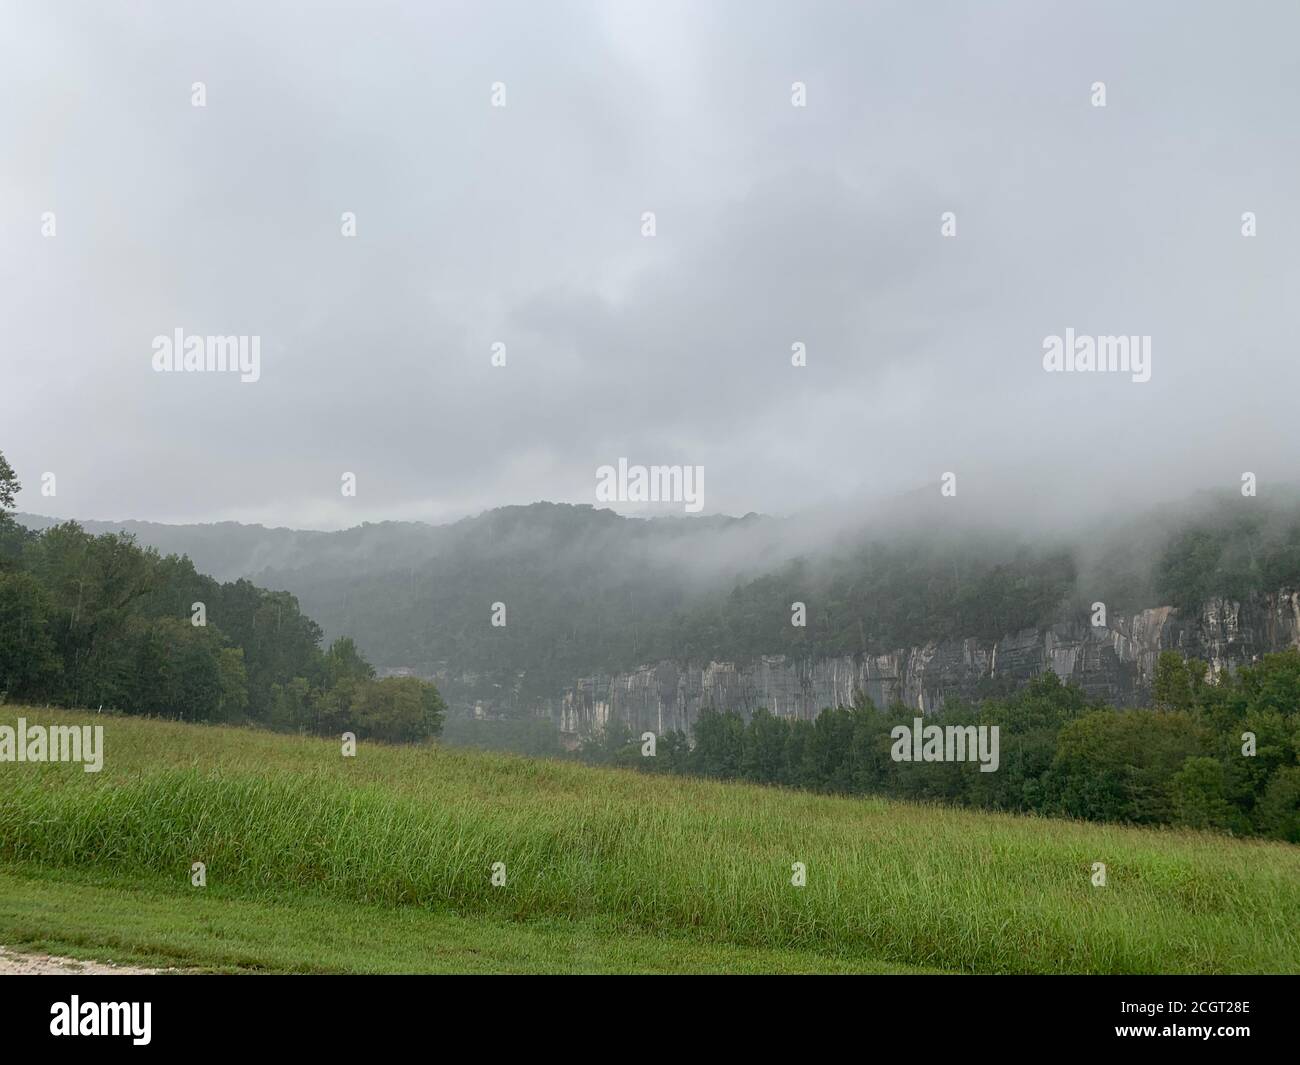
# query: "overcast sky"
{"type": "Point", "coordinates": [522, 224]}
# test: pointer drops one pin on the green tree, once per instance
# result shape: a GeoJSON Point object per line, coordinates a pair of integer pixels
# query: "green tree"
{"type": "Point", "coordinates": [12, 535]}
{"type": "Point", "coordinates": [292, 708]}
{"type": "Point", "coordinates": [719, 744]}
{"type": "Point", "coordinates": [1178, 682]}
{"type": "Point", "coordinates": [234, 684]}
{"type": "Point", "coordinates": [399, 710]}
{"type": "Point", "coordinates": [763, 752]}
{"type": "Point", "coordinates": [1279, 809]}
{"type": "Point", "coordinates": [28, 660]}
{"type": "Point", "coordinates": [172, 668]}
{"type": "Point", "coordinates": [1199, 796]}
{"type": "Point", "coordinates": [9, 486]}
{"type": "Point", "coordinates": [672, 753]}
{"type": "Point", "coordinates": [1117, 765]}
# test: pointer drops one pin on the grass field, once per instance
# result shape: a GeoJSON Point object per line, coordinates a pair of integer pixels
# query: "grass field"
{"type": "Point", "coordinates": [383, 862]}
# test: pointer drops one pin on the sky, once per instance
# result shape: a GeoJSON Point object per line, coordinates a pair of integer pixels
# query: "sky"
{"type": "Point", "coordinates": [127, 212]}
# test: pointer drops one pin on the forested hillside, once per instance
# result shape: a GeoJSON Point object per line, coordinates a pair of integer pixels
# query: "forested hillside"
{"type": "Point", "coordinates": [587, 590]}
{"type": "Point", "coordinates": [98, 621]}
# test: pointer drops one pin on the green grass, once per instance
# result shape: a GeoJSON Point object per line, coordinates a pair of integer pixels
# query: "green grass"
{"type": "Point", "coordinates": [606, 870]}
{"type": "Point", "coordinates": [162, 926]}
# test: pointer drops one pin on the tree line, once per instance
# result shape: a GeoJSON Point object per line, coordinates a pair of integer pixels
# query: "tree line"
{"type": "Point", "coordinates": [97, 621]}
{"type": "Point", "coordinates": [1219, 755]}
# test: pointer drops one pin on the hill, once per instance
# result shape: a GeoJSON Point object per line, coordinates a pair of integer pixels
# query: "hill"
{"type": "Point", "coordinates": [590, 594]}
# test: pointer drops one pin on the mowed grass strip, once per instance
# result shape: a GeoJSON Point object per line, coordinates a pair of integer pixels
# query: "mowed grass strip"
{"type": "Point", "coordinates": [160, 925]}
{"type": "Point", "coordinates": [274, 816]}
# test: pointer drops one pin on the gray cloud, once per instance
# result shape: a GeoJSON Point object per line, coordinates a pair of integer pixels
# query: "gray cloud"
{"type": "Point", "coordinates": [775, 224]}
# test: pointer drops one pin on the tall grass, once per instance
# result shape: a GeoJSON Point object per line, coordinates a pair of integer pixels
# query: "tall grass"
{"type": "Point", "coordinates": [950, 889]}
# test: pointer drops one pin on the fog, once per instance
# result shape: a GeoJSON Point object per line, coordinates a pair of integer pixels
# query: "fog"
{"type": "Point", "coordinates": [523, 224]}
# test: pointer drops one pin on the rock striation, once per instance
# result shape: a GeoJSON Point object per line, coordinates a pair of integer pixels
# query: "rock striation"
{"type": "Point", "coordinates": [1115, 662]}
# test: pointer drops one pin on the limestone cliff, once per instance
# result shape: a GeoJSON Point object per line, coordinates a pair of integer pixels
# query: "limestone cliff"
{"type": "Point", "coordinates": [1115, 662]}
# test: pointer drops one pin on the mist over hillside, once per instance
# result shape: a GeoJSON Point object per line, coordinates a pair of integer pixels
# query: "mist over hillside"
{"type": "Point", "coordinates": [585, 590]}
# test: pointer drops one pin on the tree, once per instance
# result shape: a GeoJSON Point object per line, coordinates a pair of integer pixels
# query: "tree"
{"type": "Point", "coordinates": [174, 669]}
{"type": "Point", "coordinates": [12, 535]}
{"type": "Point", "coordinates": [764, 747]}
{"type": "Point", "coordinates": [609, 745]}
{"type": "Point", "coordinates": [234, 684]}
{"type": "Point", "coordinates": [345, 676]}
{"type": "Point", "coordinates": [9, 486]}
{"type": "Point", "coordinates": [1279, 809]}
{"type": "Point", "coordinates": [344, 662]}
{"type": "Point", "coordinates": [672, 755]}
{"type": "Point", "coordinates": [27, 655]}
{"type": "Point", "coordinates": [291, 706]}
{"type": "Point", "coordinates": [719, 744]}
{"type": "Point", "coordinates": [1116, 765]}
{"type": "Point", "coordinates": [1177, 682]}
{"type": "Point", "coordinates": [1198, 794]}
{"type": "Point", "coordinates": [399, 710]}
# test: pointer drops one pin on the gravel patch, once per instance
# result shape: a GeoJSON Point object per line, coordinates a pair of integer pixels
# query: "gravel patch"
{"type": "Point", "coordinates": [13, 963]}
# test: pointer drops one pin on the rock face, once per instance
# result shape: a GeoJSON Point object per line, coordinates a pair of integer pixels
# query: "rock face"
{"type": "Point", "coordinates": [1116, 663]}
